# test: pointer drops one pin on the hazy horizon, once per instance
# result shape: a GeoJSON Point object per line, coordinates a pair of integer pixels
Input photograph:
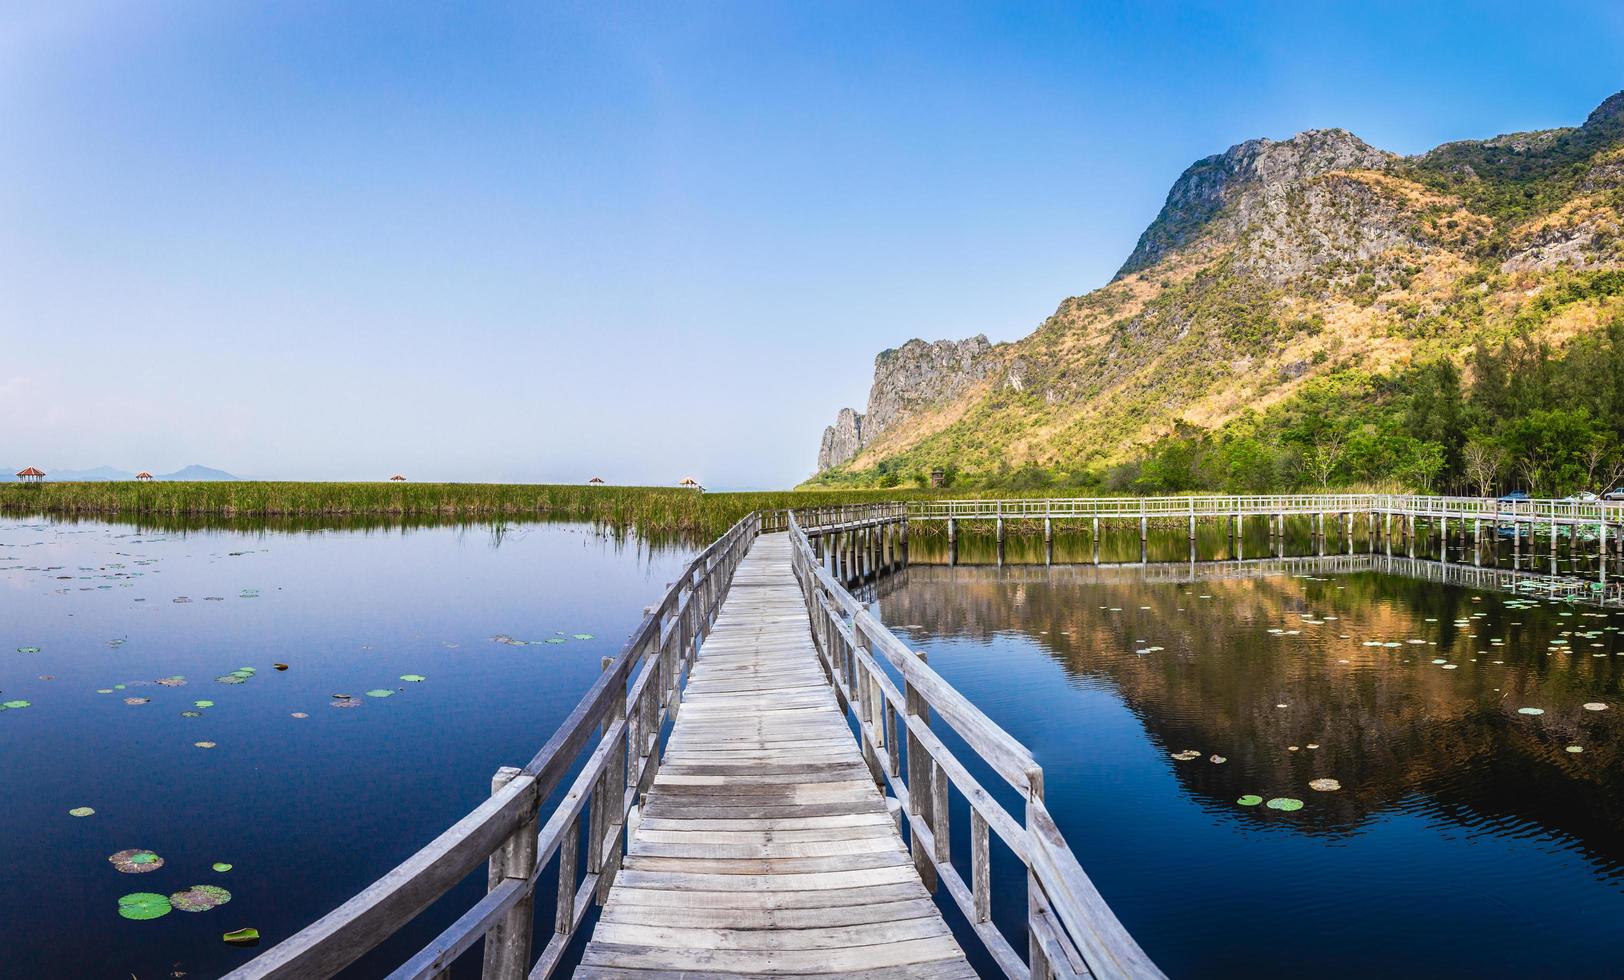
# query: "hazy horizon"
{"type": "Point", "coordinates": [638, 242]}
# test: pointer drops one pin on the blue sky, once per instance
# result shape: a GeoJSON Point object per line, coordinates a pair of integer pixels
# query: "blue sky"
{"type": "Point", "coordinates": [536, 241]}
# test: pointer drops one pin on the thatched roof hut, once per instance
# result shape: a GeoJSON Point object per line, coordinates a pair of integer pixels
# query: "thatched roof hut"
{"type": "Point", "coordinates": [31, 475]}
{"type": "Point", "coordinates": [397, 478]}
{"type": "Point", "coordinates": [143, 476]}
{"type": "Point", "coordinates": [596, 481]}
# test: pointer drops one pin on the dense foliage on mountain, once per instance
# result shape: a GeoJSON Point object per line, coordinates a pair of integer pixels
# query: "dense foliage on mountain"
{"type": "Point", "coordinates": [1305, 313]}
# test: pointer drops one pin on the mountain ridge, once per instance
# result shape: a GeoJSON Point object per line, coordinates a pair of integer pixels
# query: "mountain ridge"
{"type": "Point", "coordinates": [1274, 267]}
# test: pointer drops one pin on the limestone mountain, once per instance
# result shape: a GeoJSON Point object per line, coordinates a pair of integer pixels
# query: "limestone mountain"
{"type": "Point", "coordinates": [1272, 265]}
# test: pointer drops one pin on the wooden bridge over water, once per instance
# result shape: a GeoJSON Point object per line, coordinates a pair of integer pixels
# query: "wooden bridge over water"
{"type": "Point", "coordinates": [708, 793]}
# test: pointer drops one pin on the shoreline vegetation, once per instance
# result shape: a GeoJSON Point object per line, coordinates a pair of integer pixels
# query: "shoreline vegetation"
{"type": "Point", "coordinates": [648, 509]}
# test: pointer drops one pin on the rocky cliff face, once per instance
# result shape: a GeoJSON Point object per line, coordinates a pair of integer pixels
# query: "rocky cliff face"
{"type": "Point", "coordinates": [1271, 265]}
{"type": "Point", "coordinates": [1245, 183]}
{"type": "Point", "coordinates": [907, 379]}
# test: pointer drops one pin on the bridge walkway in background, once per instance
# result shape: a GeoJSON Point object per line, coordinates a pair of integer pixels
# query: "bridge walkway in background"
{"type": "Point", "coordinates": [764, 845]}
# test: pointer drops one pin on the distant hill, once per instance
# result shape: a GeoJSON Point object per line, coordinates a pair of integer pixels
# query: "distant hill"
{"type": "Point", "coordinates": [196, 473]}
{"type": "Point", "coordinates": [1298, 301]}
{"type": "Point", "coordinates": [108, 474]}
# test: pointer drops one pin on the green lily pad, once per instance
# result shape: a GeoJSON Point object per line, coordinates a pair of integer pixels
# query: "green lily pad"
{"type": "Point", "coordinates": [28, 649]}
{"type": "Point", "coordinates": [380, 692]}
{"type": "Point", "coordinates": [1285, 803]}
{"type": "Point", "coordinates": [104, 690]}
{"type": "Point", "coordinates": [1250, 800]}
{"type": "Point", "coordinates": [555, 639]}
{"type": "Point", "coordinates": [1530, 711]}
{"type": "Point", "coordinates": [200, 898]}
{"type": "Point", "coordinates": [242, 937]}
{"type": "Point", "coordinates": [8, 705]}
{"type": "Point", "coordinates": [231, 679]}
{"type": "Point", "coordinates": [583, 636]}
{"type": "Point", "coordinates": [203, 704]}
{"type": "Point", "coordinates": [222, 867]}
{"type": "Point", "coordinates": [136, 861]}
{"type": "Point", "coordinates": [143, 905]}
{"type": "Point", "coordinates": [81, 811]}
{"type": "Point", "coordinates": [413, 678]}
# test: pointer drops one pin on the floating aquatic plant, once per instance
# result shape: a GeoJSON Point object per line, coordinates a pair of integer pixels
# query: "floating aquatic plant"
{"type": "Point", "coordinates": [203, 704]}
{"type": "Point", "coordinates": [1186, 755]}
{"type": "Point", "coordinates": [347, 702]}
{"type": "Point", "coordinates": [28, 649]}
{"type": "Point", "coordinates": [188, 713]}
{"type": "Point", "coordinates": [1576, 749]}
{"type": "Point", "coordinates": [141, 906]}
{"type": "Point", "coordinates": [380, 692]}
{"type": "Point", "coordinates": [81, 811]}
{"type": "Point", "coordinates": [200, 898]}
{"type": "Point", "coordinates": [9, 705]}
{"type": "Point", "coordinates": [136, 861]}
{"type": "Point", "coordinates": [583, 636]}
{"type": "Point", "coordinates": [413, 678]}
{"type": "Point", "coordinates": [1250, 800]}
{"type": "Point", "coordinates": [242, 937]}
{"type": "Point", "coordinates": [1530, 711]}
{"type": "Point", "coordinates": [137, 700]}
{"type": "Point", "coordinates": [300, 714]}
{"type": "Point", "coordinates": [1595, 706]}
{"type": "Point", "coordinates": [204, 745]}
{"type": "Point", "coordinates": [1284, 803]}
{"type": "Point", "coordinates": [1325, 785]}
{"type": "Point", "coordinates": [221, 867]}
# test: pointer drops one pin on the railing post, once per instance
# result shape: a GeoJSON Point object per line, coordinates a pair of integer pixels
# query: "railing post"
{"type": "Point", "coordinates": [1037, 961]}
{"type": "Point", "coordinates": [921, 800]}
{"type": "Point", "coordinates": [507, 945]}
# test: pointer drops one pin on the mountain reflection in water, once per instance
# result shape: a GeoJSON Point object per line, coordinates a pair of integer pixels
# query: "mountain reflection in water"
{"type": "Point", "coordinates": [1455, 809]}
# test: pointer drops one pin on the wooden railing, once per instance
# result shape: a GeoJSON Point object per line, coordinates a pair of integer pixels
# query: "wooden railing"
{"type": "Point", "coordinates": [619, 719]}
{"type": "Point", "coordinates": [1228, 505]}
{"type": "Point", "coordinates": [1070, 929]}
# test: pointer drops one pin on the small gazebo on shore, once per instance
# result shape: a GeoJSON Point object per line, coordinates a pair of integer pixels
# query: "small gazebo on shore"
{"type": "Point", "coordinates": [144, 476]}
{"type": "Point", "coordinates": [397, 478]}
{"type": "Point", "coordinates": [689, 483]}
{"type": "Point", "coordinates": [31, 475]}
{"type": "Point", "coordinates": [596, 481]}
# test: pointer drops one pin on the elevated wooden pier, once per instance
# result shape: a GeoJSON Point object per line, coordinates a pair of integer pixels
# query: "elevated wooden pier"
{"type": "Point", "coordinates": [720, 811]}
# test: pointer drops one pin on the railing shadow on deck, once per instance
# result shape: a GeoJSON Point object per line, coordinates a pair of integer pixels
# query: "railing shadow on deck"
{"type": "Point", "coordinates": [619, 720]}
{"type": "Point", "coordinates": [1071, 931]}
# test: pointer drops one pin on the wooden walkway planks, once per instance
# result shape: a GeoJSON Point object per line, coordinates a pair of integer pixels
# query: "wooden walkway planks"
{"type": "Point", "coordinates": [764, 847]}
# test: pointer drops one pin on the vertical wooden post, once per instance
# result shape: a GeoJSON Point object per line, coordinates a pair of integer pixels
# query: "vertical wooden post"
{"type": "Point", "coordinates": [980, 865]}
{"type": "Point", "coordinates": [920, 799]}
{"type": "Point", "coordinates": [569, 860]}
{"type": "Point", "coordinates": [507, 945]}
{"type": "Point", "coordinates": [1037, 961]}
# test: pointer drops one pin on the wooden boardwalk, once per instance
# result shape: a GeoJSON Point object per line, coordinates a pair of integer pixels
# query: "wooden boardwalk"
{"type": "Point", "coordinates": [764, 846]}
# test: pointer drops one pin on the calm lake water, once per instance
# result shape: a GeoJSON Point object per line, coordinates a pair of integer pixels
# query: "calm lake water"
{"type": "Point", "coordinates": [306, 810]}
{"type": "Point", "coordinates": [1469, 836]}
{"type": "Point", "coordinates": [1465, 837]}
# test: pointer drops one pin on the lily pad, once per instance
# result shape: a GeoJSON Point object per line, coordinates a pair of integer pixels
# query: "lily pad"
{"type": "Point", "coordinates": [300, 714]}
{"type": "Point", "coordinates": [204, 745]}
{"type": "Point", "coordinates": [1530, 711]}
{"type": "Point", "coordinates": [137, 700]}
{"type": "Point", "coordinates": [28, 649]}
{"type": "Point", "coordinates": [8, 705]}
{"type": "Point", "coordinates": [242, 937]}
{"type": "Point", "coordinates": [203, 704]}
{"type": "Point", "coordinates": [136, 861]}
{"type": "Point", "coordinates": [1285, 803]}
{"type": "Point", "coordinates": [380, 692]}
{"type": "Point", "coordinates": [413, 678]}
{"type": "Point", "coordinates": [347, 703]}
{"type": "Point", "coordinates": [1576, 749]}
{"type": "Point", "coordinates": [221, 867]}
{"type": "Point", "coordinates": [81, 811]}
{"type": "Point", "coordinates": [200, 898]}
{"type": "Point", "coordinates": [141, 906]}
{"type": "Point", "coordinates": [176, 681]}
{"type": "Point", "coordinates": [231, 679]}
{"type": "Point", "coordinates": [555, 639]}
{"type": "Point", "coordinates": [1595, 706]}
{"type": "Point", "coordinates": [583, 636]}
{"type": "Point", "coordinates": [1186, 755]}
{"type": "Point", "coordinates": [1250, 800]}
{"type": "Point", "coordinates": [1217, 760]}
{"type": "Point", "coordinates": [279, 666]}
{"type": "Point", "coordinates": [191, 714]}
{"type": "Point", "coordinates": [1324, 785]}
